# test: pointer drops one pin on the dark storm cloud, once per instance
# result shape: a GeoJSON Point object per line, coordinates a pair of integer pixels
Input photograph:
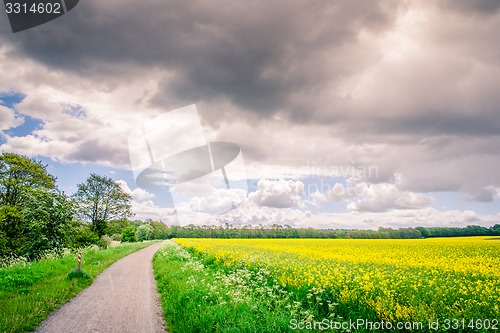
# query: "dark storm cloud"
{"type": "Point", "coordinates": [409, 86]}
{"type": "Point", "coordinates": [480, 195]}
{"type": "Point", "coordinates": [439, 123]}
{"type": "Point", "coordinates": [256, 54]}
{"type": "Point", "coordinates": [483, 7]}
{"type": "Point", "coordinates": [279, 56]}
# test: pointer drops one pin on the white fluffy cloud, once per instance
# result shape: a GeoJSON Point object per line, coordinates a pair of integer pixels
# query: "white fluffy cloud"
{"type": "Point", "coordinates": [251, 214]}
{"type": "Point", "coordinates": [144, 208]}
{"type": "Point", "coordinates": [8, 118]}
{"type": "Point", "coordinates": [377, 197]}
{"type": "Point", "coordinates": [278, 193]}
{"type": "Point", "coordinates": [426, 217]}
{"type": "Point", "coordinates": [317, 198]}
{"type": "Point", "coordinates": [218, 200]}
{"type": "Point", "coordinates": [339, 192]}
{"type": "Point", "coordinates": [82, 119]}
{"type": "Point", "coordinates": [384, 196]}
{"type": "Point", "coordinates": [138, 194]}
{"type": "Point", "coordinates": [149, 210]}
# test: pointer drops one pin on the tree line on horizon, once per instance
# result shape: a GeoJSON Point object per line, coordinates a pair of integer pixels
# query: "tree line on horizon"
{"type": "Point", "coordinates": [280, 231]}
{"type": "Point", "coordinates": [35, 216]}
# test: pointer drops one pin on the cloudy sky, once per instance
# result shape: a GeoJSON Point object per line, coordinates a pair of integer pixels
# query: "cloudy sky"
{"type": "Point", "coordinates": [348, 113]}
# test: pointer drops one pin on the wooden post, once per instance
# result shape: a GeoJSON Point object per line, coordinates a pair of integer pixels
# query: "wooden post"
{"type": "Point", "coordinates": [79, 260]}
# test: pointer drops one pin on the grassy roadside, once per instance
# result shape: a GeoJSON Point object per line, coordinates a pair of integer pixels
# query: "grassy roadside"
{"type": "Point", "coordinates": [29, 293]}
{"type": "Point", "coordinates": [198, 295]}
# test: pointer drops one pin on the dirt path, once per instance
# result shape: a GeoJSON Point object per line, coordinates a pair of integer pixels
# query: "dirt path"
{"type": "Point", "coordinates": [121, 299]}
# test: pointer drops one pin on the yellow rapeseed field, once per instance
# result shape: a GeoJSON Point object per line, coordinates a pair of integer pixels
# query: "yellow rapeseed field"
{"type": "Point", "coordinates": [421, 279]}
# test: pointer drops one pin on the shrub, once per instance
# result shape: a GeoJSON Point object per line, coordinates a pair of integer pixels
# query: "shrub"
{"type": "Point", "coordinates": [78, 274]}
{"type": "Point", "coordinates": [128, 235]}
{"type": "Point", "coordinates": [115, 237]}
{"type": "Point", "coordinates": [82, 235]}
{"type": "Point", "coordinates": [144, 232]}
{"type": "Point", "coordinates": [106, 239]}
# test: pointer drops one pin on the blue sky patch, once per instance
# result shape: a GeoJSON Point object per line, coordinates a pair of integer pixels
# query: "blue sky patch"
{"type": "Point", "coordinates": [75, 111]}
{"type": "Point", "coordinates": [26, 128]}
{"type": "Point", "coordinates": [10, 99]}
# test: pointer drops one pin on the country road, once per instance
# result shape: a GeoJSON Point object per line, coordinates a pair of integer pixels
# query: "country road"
{"type": "Point", "coordinates": [121, 299]}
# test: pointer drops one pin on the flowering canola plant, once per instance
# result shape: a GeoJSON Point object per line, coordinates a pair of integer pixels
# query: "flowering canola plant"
{"type": "Point", "coordinates": [392, 280]}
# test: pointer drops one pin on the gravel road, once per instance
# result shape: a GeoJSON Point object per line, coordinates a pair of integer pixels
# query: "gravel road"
{"type": "Point", "coordinates": [121, 299]}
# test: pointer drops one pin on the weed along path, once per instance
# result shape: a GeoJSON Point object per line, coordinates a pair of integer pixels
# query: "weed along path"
{"type": "Point", "coordinates": [121, 299]}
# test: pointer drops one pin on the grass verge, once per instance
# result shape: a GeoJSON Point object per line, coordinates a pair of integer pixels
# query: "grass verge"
{"type": "Point", "coordinates": [29, 293]}
{"type": "Point", "coordinates": [200, 296]}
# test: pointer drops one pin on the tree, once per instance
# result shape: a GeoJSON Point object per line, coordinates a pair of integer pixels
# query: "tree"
{"type": "Point", "coordinates": [423, 231]}
{"type": "Point", "coordinates": [116, 226]}
{"type": "Point", "coordinates": [495, 230]}
{"type": "Point", "coordinates": [81, 235]}
{"type": "Point", "coordinates": [100, 199]}
{"type": "Point", "coordinates": [47, 221]}
{"type": "Point", "coordinates": [19, 175]}
{"type": "Point", "coordinates": [11, 229]}
{"type": "Point", "coordinates": [128, 234]}
{"type": "Point", "coordinates": [144, 232]}
{"type": "Point", "coordinates": [160, 230]}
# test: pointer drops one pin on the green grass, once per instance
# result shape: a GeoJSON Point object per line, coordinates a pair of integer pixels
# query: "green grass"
{"type": "Point", "coordinates": [29, 293]}
{"type": "Point", "coordinates": [198, 295]}
{"type": "Point", "coordinates": [78, 274]}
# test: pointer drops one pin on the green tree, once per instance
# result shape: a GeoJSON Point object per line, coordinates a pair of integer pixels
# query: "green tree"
{"type": "Point", "coordinates": [47, 221]}
{"type": "Point", "coordinates": [128, 234]}
{"type": "Point", "coordinates": [144, 232]}
{"type": "Point", "coordinates": [81, 235]}
{"type": "Point", "coordinates": [423, 231]}
{"type": "Point", "coordinates": [116, 226]}
{"type": "Point", "coordinates": [11, 228]}
{"type": "Point", "coordinates": [18, 175]}
{"type": "Point", "coordinates": [160, 230]}
{"type": "Point", "coordinates": [495, 230]}
{"type": "Point", "coordinates": [100, 199]}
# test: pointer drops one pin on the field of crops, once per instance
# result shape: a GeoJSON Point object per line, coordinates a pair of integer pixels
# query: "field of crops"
{"type": "Point", "coordinates": [453, 280]}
